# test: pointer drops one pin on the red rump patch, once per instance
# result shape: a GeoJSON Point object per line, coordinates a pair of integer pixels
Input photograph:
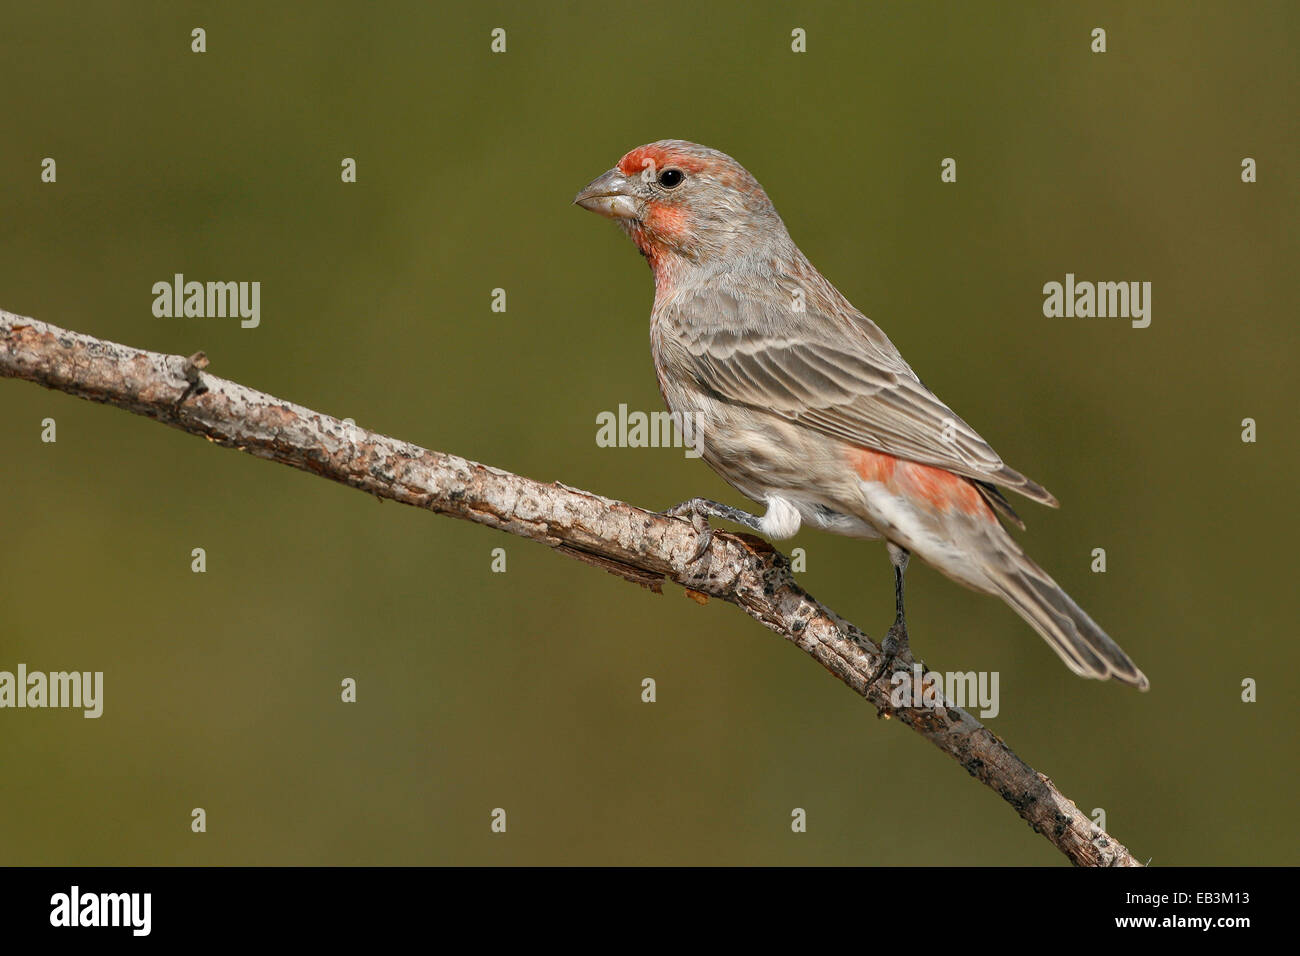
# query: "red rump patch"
{"type": "Point", "coordinates": [942, 490]}
{"type": "Point", "coordinates": [873, 465]}
{"type": "Point", "coordinates": [643, 157]}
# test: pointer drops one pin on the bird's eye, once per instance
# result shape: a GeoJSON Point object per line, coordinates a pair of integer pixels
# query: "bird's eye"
{"type": "Point", "coordinates": [671, 178]}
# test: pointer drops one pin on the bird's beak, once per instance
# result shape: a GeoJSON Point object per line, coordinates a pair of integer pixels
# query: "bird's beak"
{"type": "Point", "coordinates": [610, 195]}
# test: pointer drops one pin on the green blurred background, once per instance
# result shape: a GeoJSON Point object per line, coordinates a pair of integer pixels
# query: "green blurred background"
{"type": "Point", "coordinates": [522, 690]}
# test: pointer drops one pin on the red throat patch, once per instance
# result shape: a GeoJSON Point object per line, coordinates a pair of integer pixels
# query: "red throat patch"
{"type": "Point", "coordinates": [663, 219]}
{"type": "Point", "coordinates": [654, 235]}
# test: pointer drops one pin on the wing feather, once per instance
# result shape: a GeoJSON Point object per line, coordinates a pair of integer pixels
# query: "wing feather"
{"type": "Point", "coordinates": [835, 372]}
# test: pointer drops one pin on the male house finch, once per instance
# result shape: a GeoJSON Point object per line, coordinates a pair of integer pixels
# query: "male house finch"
{"type": "Point", "coordinates": [805, 405]}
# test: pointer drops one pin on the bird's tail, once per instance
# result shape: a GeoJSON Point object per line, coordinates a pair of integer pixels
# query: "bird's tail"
{"type": "Point", "coordinates": [1082, 645]}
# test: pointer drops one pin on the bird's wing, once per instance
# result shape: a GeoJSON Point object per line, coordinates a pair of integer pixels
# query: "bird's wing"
{"type": "Point", "coordinates": [831, 370]}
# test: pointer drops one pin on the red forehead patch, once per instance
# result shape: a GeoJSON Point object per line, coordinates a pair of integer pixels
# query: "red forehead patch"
{"type": "Point", "coordinates": [658, 157]}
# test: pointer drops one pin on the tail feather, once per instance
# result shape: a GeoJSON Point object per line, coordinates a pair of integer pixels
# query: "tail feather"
{"type": "Point", "coordinates": [1082, 645]}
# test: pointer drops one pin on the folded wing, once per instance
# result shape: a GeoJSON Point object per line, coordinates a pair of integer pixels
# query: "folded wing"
{"type": "Point", "coordinates": [833, 371]}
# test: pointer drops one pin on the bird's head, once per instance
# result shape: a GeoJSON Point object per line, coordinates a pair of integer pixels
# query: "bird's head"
{"type": "Point", "coordinates": [685, 203]}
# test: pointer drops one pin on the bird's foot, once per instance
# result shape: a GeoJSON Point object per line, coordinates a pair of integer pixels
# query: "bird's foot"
{"type": "Point", "coordinates": [699, 521]}
{"type": "Point", "coordinates": [699, 511]}
{"type": "Point", "coordinates": [894, 642]}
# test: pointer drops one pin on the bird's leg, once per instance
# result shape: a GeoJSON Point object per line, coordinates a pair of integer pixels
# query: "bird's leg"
{"type": "Point", "coordinates": [700, 510]}
{"type": "Point", "coordinates": [895, 640]}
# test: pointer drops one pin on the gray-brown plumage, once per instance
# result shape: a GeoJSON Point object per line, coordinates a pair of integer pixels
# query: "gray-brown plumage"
{"type": "Point", "coordinates": [805, 405]}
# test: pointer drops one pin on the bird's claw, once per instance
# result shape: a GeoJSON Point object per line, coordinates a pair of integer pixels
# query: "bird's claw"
{"type": "Point", "coordinates": [891, 645]}
{"type": "Point", "coordinates": [703, 536]}
{"type": "Point", "coordinates": [703, 531]}
{"type": "Point", "coordinates": [895, 641]}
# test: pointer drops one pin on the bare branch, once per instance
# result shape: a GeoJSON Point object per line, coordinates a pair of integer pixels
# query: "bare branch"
{"type": "Point", "coordinates": [639, 545]}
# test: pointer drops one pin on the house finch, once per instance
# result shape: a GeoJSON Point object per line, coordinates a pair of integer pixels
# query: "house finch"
{"type": "Point", "coordinates": [805, 405]}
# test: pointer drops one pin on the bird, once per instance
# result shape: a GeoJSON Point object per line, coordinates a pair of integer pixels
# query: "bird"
{"type": "Point", "coordinates": [805, 406]}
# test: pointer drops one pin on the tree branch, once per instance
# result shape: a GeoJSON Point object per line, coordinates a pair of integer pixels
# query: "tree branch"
{"type": "Point", "coordinates": [639, 545]}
